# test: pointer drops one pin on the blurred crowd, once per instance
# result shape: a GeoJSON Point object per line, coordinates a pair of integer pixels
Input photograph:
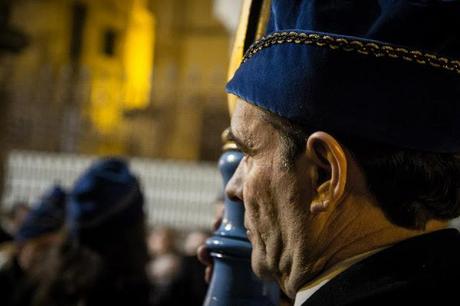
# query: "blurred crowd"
{"type": "Point", "coordinates": [90, 245]}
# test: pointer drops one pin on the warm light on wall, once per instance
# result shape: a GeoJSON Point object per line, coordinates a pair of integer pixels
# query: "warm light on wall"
{"type": "Point", "coordinates": [138, 58]}
{"type": "Point", "coordinates": [118, 51]}
{"type": "Point", "coordinates": [105, 111]}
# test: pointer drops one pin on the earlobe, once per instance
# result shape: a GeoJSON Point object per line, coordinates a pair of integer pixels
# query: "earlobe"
{"type": "Point", "coordinates": [329, 157]}
{"type": "Point", "coordinates": [320, 202]}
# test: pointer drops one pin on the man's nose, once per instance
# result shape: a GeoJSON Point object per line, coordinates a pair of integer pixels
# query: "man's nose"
{"type": "Point", "coordinates": [234, 188]}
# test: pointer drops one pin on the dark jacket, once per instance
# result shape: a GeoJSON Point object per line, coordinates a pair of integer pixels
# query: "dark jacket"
{"type": "Point", "coordinates": [424, 270]}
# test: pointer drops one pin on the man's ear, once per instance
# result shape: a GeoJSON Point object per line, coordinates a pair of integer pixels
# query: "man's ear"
{"type": "Point", "coordinates": [330, 164]}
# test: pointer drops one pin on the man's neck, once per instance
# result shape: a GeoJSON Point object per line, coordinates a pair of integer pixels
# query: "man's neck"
{"type": "Point", "coordinates": [347, 237]}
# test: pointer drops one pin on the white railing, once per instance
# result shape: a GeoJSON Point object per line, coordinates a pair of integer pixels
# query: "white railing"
{"type": "Point", "coordinates": [178, 194]}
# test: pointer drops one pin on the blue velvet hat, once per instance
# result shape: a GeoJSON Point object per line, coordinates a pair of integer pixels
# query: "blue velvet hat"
{"type": "Point", "coordinates": [107, 194]}
{"type": "Point", "coordinates": [46, 216]}
{"type": "Point", "coordinates": [387, 71]}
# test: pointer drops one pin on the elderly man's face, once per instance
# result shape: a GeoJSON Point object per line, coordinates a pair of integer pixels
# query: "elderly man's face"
{"type": "Point", "coordinates": [276, 197]}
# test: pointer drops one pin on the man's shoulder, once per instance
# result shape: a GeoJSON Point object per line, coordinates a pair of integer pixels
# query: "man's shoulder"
{"type": "Point", "coordinates": [421, 269]}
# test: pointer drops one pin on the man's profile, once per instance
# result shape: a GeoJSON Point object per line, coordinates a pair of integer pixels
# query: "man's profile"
{"type": "Point", "coordinates": [348, 118]}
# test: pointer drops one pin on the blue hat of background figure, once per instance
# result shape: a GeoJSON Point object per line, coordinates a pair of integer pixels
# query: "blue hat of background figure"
{"type": "Point", "coordinates": [107, 194]}
{"type": "Point", "coordinates": [46, 216]}
{"type": "Point", "coordinates": [387, 71]}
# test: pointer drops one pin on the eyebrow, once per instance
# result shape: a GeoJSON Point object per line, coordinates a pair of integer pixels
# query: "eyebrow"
{"type": "Point", "coordinates": [240, 144]}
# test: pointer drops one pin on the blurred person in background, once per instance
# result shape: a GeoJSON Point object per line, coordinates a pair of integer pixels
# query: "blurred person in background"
{"type": "Point", "coordinates": [102, 260]}
{"type": "Point", "coordinates": [193, 241]}
{"type": "Point", "coordinates": [191, 275]}
{"type": "Point", "coordinates": [16, 217]}
{"type": "Point", "coordinates": [10, 224]}
{"type": "Point", "coordinates": [5, 236]}
{"type": "Point", "coordinates": [164, 267]}
{"type": "Point", "coordinates": [34, 240]}
{"type": "Point", "coordinates": [161, 241]}
{"type": "Point", "coordinates": [177, 278]}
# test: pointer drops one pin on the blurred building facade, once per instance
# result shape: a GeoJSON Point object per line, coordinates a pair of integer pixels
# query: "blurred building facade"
{"type": "Point", "coordinates": [69, 88]}
{"type": "Point", "coordinates": [191, 59]}
{"type": "Point", "coordinates": [130, 77]}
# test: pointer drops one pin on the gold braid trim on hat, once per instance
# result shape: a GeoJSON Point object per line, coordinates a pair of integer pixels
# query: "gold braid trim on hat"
{"type": "Point", "coordinates": [355, 46]}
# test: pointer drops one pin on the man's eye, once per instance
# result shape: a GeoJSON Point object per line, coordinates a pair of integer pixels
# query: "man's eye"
{"type": "Point", "coordinates": [242, 150]}
{"type": "Point", "coordinates": [246, 154]}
